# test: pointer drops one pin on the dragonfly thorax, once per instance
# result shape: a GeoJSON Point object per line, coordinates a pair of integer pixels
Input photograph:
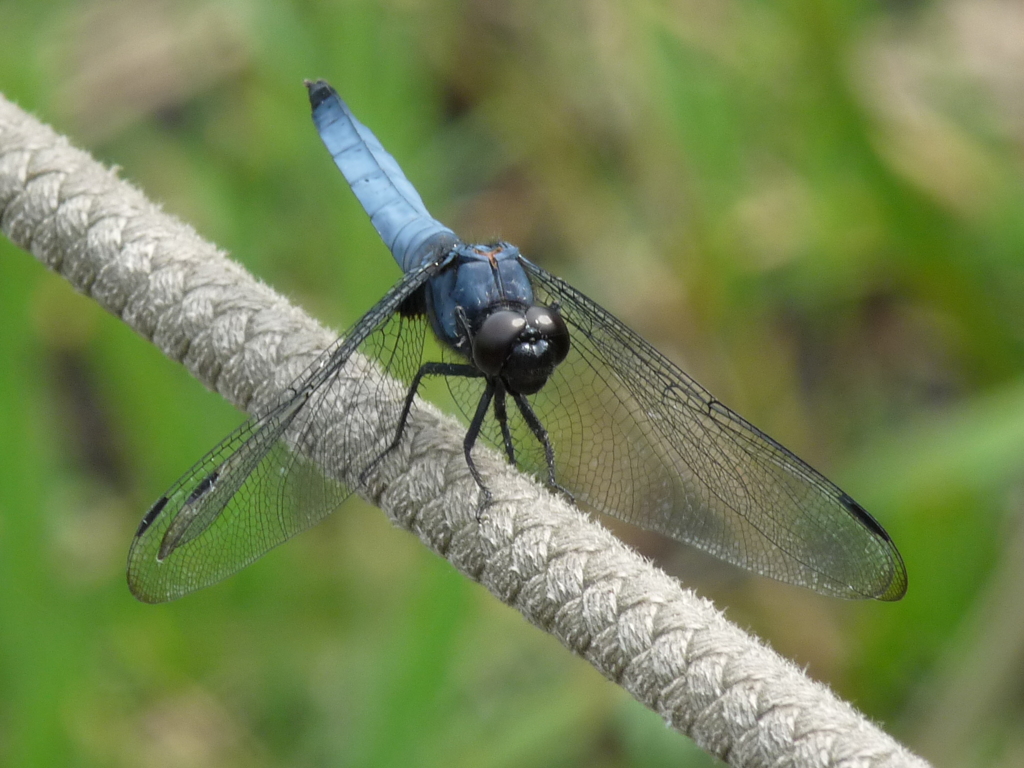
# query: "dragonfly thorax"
{"type": "Point", "coordinates": [522, 346]}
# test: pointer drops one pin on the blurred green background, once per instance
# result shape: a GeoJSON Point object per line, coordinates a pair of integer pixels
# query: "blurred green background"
{"type": "Point", "coordinates": [817, 208]}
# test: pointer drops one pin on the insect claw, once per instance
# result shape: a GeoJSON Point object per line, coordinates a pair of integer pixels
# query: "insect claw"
{"type": "Point", "coordinates": [563, 492]}
{"type": "Point", "coordinates": [484, 501]}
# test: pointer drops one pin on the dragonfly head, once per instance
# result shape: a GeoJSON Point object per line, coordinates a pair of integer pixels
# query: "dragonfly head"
{"type": "Point", "coordinates": [522, 346]}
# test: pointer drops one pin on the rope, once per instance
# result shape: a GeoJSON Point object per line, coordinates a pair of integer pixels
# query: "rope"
{"type": "Point", "coordinates": [670, 649]}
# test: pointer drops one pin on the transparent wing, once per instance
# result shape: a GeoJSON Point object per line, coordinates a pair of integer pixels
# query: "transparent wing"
{"type": "Point", "coordinates": [636, 438]}
{"type": "Point", "coordinates": [263, 483]}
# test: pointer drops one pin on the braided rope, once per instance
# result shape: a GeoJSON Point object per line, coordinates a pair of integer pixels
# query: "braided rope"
{"type": "Point", "coordinates": [670, 649]}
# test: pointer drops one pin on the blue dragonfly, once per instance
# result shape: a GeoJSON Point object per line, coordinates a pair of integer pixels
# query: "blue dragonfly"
{"type": "Point", "coordinates": [541, 373]}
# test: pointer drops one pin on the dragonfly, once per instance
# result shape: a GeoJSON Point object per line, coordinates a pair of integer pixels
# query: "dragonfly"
{"type": "Point", "coordinates": [542, 374]}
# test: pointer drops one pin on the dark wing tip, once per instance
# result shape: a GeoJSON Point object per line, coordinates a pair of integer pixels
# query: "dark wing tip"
{"type": "Point", "coordinates": [897, 586]}
{"type": "Point", "coordinates": [151, 515]}
{"type": "Point", "coordinates": [319, 92]}
{"type": "Point", "coordinates": [864, 516]}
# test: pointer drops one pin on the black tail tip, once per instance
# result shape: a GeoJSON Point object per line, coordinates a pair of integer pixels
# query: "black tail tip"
{"type": "Point", "coordinates": [319, 91]}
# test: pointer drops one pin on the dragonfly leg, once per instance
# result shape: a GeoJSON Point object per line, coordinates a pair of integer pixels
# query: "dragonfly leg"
{"type": "Point", "coordinates": [542, 437]}
{"type": "Point", "coordinates": [427, 369]}
{"type": "Point", "coordinates": [501, 416]}
{"type": "Point", "coordinates": [467, 445]}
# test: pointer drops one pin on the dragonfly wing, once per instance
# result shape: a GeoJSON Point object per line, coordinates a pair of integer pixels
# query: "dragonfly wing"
{"type": "Point", "coordinates": [638, 439]}
{"type": "Point", "coordinates": [393, 204]}
{"type": "Point", "coordinates": [284, 470]}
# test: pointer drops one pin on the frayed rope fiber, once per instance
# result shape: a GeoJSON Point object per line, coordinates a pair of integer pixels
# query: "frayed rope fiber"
{"type": "Point", "coordinates": [672, 650]}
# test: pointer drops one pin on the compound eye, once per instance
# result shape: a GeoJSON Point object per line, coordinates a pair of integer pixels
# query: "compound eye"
{"type": "Point", "coordinates": [549, 324]}
{"type": "Point", "coordinates": [494, 340]}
